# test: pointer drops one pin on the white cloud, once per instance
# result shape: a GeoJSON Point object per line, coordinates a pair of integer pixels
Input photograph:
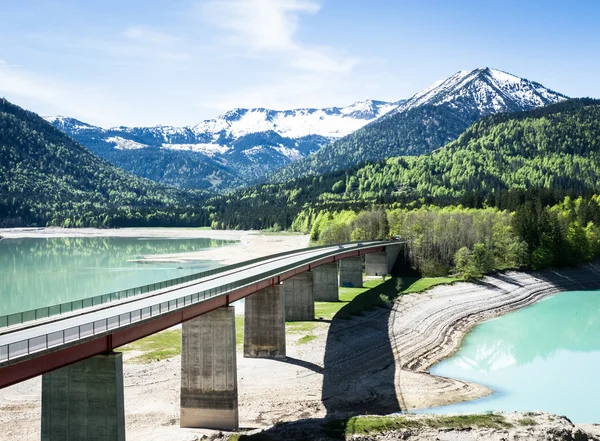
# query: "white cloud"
{"type": "Point", "coordinates": [268, 30]}
{"type": "Point", "coordinates": [270, 27]}
{"type": "Point", "coordinates": [314, 89]}
{"type": "Point", "coordinates": [18, 83]}
{"type": "Point", "coordinates": [151, 36]}
{"type": "Point", "coordinates": [259, 25]}
{"type": "Point", "coordinates": [48, 96]}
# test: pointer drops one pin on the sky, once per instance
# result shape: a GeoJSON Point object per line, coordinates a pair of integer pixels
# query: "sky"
{"type": "Point", "coordinates": [179, 62]}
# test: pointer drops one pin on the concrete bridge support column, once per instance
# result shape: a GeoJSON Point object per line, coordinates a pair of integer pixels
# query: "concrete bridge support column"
{"type": "Point", "coordinates": [351, 272]}
{"type": "Point", "coordinates": [209, 395]}
{"type": "Point", "coordinates": [264, 324]}
{"type": "Point", "coordinates": [376, 264]}
{"type": "Point", "coordinates": [84, 401]}
{"type": "Point", "coordinates": [381, 264]}
{"type": "Point", "coordinates": [299, 299]}
{"type": "Point", "coordinates": [392, 253]}
{"type": "Point", "coordinates": [325, 283]}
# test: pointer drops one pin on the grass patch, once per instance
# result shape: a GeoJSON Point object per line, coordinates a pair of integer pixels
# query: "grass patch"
{"type": "Point", "coordinates": [376, 293]}
{"type": "Point", "coordinates": [425, 283]}
{"type": "Point", "coordinates": [353, 301]}
{"type": "Point", "coordinates": [307, 339]}
{"type": "Point", "coordinates": [367, 425]}
{"type": "Point", "coordinates": [526, 422]}
{"type": "Point", "coordinates": [239, 331]}
{"type": "Point", "coordinates": [155, 347]}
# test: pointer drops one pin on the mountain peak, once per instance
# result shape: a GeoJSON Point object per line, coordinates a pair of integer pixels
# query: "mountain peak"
{"type": "Point", "coordinates": [67, 124]}
{"type": "Point", "coordinates": [485, 90]}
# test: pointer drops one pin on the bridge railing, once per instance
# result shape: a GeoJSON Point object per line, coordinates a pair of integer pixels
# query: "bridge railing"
{"type": "Point", "coordinates": [51, 340]}
{"type": "Point", "coordinates": [90, 302]}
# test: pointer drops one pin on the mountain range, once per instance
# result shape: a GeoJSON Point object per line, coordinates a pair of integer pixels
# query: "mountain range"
{"type": "Point", "coordinates": [238, 147]}
{"type": "Point", "coordinates": [245, 146]}
{"type": "Point", "coordinates": [428, 120]}
{"type": "Point", "coordinates": [553, 151]}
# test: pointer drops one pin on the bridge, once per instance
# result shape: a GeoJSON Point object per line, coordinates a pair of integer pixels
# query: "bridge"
{"type": "Point", "coordinates": [72, 345]}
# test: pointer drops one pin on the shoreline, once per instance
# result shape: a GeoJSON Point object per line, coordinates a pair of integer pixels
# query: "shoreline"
{"type": "Point", "coordinates": [248, 244]}
{"type": "Point", "coordinates": [446, 314]}
{"type": "Point", "coordinates": [376, 362]}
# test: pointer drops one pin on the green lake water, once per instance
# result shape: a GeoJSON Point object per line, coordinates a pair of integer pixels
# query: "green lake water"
{"type": "Point", "coordinates": [543, 357]}
{"type": "Point", "coordinates": [38, 272]}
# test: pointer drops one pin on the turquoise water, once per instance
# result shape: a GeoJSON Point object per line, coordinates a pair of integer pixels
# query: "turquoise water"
{"type": "Point", "coordinates": [38, 272]}
{"type": "Point", "coordinates": [544, 357]}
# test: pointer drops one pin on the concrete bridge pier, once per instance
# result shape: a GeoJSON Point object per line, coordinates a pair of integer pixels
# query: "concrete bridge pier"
{"type": "Point", "coordinates": [381, 264]}
{"type": "Point", "coordinates": [325, 283]}
{"type": "Point", "coordinates": [299, 297]}
{"type": "Point", "coordinates": [351, 272]}
{"type": "Point", "coordinates": [264, 324]}
{"type": "Point", "coordinates": [209, 395]}
{"type": "Point", "coordinates": [84, 401]}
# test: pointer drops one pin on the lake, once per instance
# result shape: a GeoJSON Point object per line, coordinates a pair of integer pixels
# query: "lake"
{"type": "Point", "coordinates": [38, 272]}
{"type": "Point", "coordinates": [543, 357]}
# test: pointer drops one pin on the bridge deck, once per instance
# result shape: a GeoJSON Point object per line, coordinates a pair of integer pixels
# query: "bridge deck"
{"type": "Point", "coordinates": [37, 347]}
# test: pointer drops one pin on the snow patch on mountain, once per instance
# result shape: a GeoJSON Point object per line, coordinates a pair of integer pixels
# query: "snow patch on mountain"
{"type": "Point", "coordinates": [488, 90]}
{"type": "Point", "coordinates": [254, 150]}
{"type": "Point", "coordinates": [208, 149]}
{"type": "Point", "coordinates": [66, 124]}
{"type": "Point", "coordinates": [292, 154]}
{"type": "Point", "coordinates": [332, 122]}
{"type": "Point", "coordinates": [125, 144]}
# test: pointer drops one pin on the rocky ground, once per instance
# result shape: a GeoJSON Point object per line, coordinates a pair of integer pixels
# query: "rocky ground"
{"type": "Point", "coordinates": [530, 426]}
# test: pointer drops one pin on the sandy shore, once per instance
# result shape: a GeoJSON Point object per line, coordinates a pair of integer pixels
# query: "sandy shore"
{"type": "Point", "coordinates": [373, 363]}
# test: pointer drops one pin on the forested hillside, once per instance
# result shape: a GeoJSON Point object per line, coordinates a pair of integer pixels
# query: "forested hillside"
{"type": "Point", "coordinates": [415, 132]}
{"type": "Point", "coordinates": [47, 178]}
{"type": "Point", "coordinates": [555, 148]}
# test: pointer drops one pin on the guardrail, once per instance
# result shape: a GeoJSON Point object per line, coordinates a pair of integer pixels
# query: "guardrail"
{"type": "Point", "coordinates": [47, 341]}
{"type": "Point", "coordinates": [90, 302]}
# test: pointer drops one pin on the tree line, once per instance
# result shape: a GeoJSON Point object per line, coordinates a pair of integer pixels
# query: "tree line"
{"type": "Point", "coordinates": [469, 241]}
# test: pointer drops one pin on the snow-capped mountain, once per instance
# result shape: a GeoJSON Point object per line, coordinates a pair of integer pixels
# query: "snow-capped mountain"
{"type": "Point", "coordinates": [428, 120]}
{"type": "Point", "coordinates": [487, 90]}
{"type": "Point", "coordinates": [239, 146]}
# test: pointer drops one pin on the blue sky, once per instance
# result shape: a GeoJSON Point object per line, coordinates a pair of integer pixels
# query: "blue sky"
{"type": "Point", "coordinates": [147, 62]}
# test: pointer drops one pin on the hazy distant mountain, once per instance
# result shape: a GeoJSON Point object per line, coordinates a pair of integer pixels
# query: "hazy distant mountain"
{"type": "Point", "coordinates": [237, 147]}
{"type": "Point", "coordinates": [428, 120]}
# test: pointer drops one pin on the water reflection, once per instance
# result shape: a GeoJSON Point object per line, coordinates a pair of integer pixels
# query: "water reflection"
{"type": "Point", "coordinates": [38, 272]}
{"type": "Point", "coordinates": [544, 357]}
{"type": "Point", "coordinates": [561, 322]}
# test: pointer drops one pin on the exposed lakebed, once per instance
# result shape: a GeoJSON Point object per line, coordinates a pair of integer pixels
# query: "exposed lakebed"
{"type": "Point", "coordinates": [543, 357]}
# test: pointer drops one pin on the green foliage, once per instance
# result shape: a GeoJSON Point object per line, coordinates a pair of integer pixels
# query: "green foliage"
{"type": "Point", "coordinates": [474, 264]}
{"type": "Point", "coordinates": [501, 161]}
{"type": "Point", "coordinates": [156, 347]}
{"type": "Point", "coordinates": [421, 285]}
{"type": "Point", "coordinates": [46, 178]}
{"type": "Point", "coordinates": [364, 425]}
{"type": "Point", "coordinates": [465, 264]}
